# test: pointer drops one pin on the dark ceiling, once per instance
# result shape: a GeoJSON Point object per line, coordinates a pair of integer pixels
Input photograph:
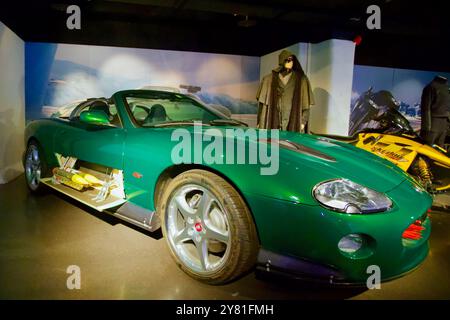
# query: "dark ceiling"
{"type": "Point", "coordinates": [411, 36]}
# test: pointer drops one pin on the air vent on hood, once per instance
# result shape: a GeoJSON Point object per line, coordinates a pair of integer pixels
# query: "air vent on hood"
{"type": "Point", "coordinates": [294, 146]}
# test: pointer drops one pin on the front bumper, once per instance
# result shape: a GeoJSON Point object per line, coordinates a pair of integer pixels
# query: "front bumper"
{"type": "Point", "coordinates": [301, 240]}
{"type": "Point", "coordinates": [295, 268]}
{"type": "Point", "coordinates": [285, 266]}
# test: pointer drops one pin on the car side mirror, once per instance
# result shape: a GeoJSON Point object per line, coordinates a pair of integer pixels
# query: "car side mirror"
{"type": "Point", "coordinates": [94, 117]}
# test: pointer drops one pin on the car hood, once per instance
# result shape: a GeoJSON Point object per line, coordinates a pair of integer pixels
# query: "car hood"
{"type": "Point", "coordinates": [347, 162]}
{"type": "Point", "coordinates": [297, 172]}
{"type": "Point", "coordinates": [351, 162]}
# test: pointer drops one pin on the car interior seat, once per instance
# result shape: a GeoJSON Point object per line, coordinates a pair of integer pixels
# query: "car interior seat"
{"type": "Point", "coordinates": [100, 106]}
{"type": "Point", "coordinates": [103, 106]}
{"type": "Point", "coordinates": [157, 114]}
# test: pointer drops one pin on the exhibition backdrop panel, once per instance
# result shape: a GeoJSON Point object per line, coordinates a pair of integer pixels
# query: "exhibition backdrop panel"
{"type": "Point", "coordinates": [405, 85]}
{"type": "Point", "coordinates": [12, 113]}
{"type": "Point", "coordinates": [57, 74]}
{"type": "Point", "coordinates": [329, 67]}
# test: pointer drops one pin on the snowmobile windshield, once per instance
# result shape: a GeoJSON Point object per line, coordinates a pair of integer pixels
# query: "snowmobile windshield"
{"type": "Point", "coordinates": [378, 112]}
{"type": "Point", "coordinates": [390, 120]}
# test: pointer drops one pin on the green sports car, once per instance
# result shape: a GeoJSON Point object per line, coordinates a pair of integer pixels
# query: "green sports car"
{"type": "Point", "coordinates": [229, 198]}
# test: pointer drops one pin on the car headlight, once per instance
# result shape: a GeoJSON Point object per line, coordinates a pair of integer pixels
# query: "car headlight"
{"type": "Point", "coordinates": [346, 196]}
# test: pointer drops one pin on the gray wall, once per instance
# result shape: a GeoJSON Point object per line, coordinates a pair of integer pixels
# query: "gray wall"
{"type": "Point", "coordinates": [12, 105]}
{"type": "Point", "coordinates": [331, 76]}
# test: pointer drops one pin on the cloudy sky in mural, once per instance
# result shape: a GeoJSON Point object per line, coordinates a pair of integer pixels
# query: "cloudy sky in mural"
{"type": "Point", "coordinates": [74, 72]}
{"type": "Point", "coordinates": [405, 85]}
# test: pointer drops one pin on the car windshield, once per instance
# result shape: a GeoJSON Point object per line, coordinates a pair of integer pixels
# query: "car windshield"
{"type": "Point", "coordinates": [159, 109]}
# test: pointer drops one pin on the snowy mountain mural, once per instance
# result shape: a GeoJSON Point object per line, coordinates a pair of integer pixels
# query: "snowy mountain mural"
{"type": "Point", "coordinates": [57, 74]}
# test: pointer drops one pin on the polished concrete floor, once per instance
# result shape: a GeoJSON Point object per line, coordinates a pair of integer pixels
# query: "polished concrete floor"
{"type": "Point", "coordinates": [41, 236]}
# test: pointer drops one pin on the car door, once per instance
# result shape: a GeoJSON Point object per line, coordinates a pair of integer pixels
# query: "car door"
{"type": "Point", "coordinates": [94, 143]}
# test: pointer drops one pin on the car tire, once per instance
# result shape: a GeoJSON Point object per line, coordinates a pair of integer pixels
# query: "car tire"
{"type": "Point", "coordinates": [35, 167]}
{"type": "Point", "coordinates": [204, 216]}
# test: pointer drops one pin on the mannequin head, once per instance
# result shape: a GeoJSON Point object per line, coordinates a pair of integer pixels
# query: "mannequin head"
{"type": "Point", "coordinates": [287, 62]}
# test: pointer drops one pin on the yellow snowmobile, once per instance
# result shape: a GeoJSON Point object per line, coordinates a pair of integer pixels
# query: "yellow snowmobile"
{"type": "Point", "coordinates": [381, 129]}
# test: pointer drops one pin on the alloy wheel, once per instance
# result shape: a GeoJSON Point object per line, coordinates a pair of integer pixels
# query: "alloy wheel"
{"type": "Point", "coordinates": [33, 167]}
{"type": "Point", "coordinates": [198, 229]}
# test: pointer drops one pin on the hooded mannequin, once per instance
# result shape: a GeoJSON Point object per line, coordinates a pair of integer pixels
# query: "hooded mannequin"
{"type": "Point", "coordinates": [435, 111]}
{"type": "Point", "coordinates": [285, 96]}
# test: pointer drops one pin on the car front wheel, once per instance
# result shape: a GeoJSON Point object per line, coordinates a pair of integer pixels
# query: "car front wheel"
{"type": "Point", "coordinates": [208, 227]}
{"type": "Point", "coordinates": [35, 167]}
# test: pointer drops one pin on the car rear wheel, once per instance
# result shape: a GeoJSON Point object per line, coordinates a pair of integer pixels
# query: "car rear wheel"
{"type": "Point", "coordinates": [208, 227]}
{"type": "Point", "coordinates": [35, 167]}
